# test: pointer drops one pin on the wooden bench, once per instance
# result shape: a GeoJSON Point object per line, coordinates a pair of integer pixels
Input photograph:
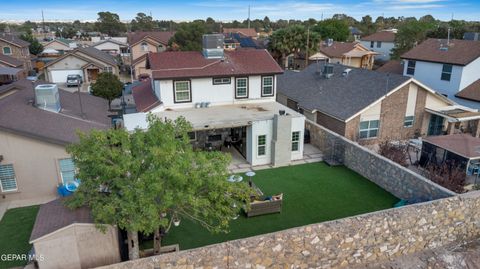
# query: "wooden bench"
{"type": "Point", "coordinates": [258, 208]}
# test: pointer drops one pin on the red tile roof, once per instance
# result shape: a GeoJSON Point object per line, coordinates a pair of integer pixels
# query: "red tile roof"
{"type": "Point", "coordinates": [392, 66]}
{"type": "Point", "coordinates": [162, 37]}
{"type": "Point", "coordinates": [337, 49]}
{"type": "Point", "coordinates": [144, 97]}
{"type": "Point", "coordinates": [14, 40]}
{"type": "Point", "coordinates": [383, 36]}
{"type": "Point", "coordinates": [189, 64]}
{"type": "Point", "coordinates": [459, 52]}
{"type": "Point", "coordinates": [471, 92]}
{"type": "Point", "coordinates": [9, 61]}
{"type": "Point", "coordinates": [462, 144]}
{"type": "Point", "coordinates": [244, 31]}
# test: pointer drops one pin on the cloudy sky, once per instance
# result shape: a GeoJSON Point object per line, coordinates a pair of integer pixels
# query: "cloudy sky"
{"type": "Point", "coordinates": [237, 9]}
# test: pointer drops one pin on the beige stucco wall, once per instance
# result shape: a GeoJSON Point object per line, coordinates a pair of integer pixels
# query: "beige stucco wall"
{"type": "Point", "coordinates": [57, 46]}
{"type": "Point", "coordinates": [35, 164]}
{"type": "Point", "coordinates": [78, 246]}
{"type": "Point", "coordinates": [153, 46]}
{"type": "Point", "coordinates": [140, 68]}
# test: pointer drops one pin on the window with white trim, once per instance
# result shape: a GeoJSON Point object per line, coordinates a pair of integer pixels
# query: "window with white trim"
{"type": "Point", "coordinates": [7, 50]}
{"type": "Point", "coordinates": [8, 182]}
{"type": "Point", "coordinates": [67, 170]}
{"type": "Point", "coordinates": [261, 145]}
{"type": "Point", "coordinates": [241, 88]}
{"type": "Point", "coordinates": [108, 69]}
{"type": "Point", "coordinates": [295, 141]}
{"type": "Point", "coordinates": [219, 81]}
{"type": "Point", "coordinates": [379, 44]}
{"type": "Point", "coordinates": [411, 67]}
{"type": "Point", "coordinates": [369, 129]}
{"type": "Point", "coordinates": [267, 86]}
{"type": "Point", "coordinates": [144, 46]}
{"type": "Point", "coordinates": [409, 120]}
{"type": "Point", "coordinates": [446, 72]}
{"type": "Point", "coordinates": [182, 91]}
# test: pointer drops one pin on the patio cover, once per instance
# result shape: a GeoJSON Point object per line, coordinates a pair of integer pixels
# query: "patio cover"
{"type": "Point", "coordinates": [317, 56]}
{"type": "Point", "coordinates": [10, 71]}
{"type": "Point", "coordinates": [455, 113]}
{"type": "Point", "coordinates": [464, 145]}
{"type": "Point", "coordinates": [359, 53]}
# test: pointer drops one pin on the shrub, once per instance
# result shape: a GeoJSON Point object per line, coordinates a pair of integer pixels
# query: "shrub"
{"type": "Point", "coordinates": [448, 175]}
{"type": "Point", "coordinates": [394, 151]}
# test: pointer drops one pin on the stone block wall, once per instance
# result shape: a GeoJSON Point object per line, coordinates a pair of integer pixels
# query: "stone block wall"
{"type": "Point", "coordinates": [340, 243]}
{"type": "Point", "coordinates": [389, 175]}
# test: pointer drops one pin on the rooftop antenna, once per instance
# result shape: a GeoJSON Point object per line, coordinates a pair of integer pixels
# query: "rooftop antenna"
{"type": "Point", "coordinates": [306, 54]}
{"type": "Point", "coordinates": [249, 16]}
{"type": "Point", "coordinates": [448, 37]}
{"type": "Point", "coordinates": [43, 26]}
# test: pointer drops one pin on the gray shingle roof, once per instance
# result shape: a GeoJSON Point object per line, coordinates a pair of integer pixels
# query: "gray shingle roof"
{"type": "Point", "coordinates": [339, 96]}
{"type": "Point", "coordinates": [98, 54]}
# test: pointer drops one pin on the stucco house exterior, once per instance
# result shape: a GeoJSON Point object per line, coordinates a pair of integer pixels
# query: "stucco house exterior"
{"type": "Point", "coordinates": [369, 106]}
{"type": "Point", "coordinates": [111, 46]}
{"type": "Point", "coordinates": [381, 42]}
{"type": "Point", "coordinates": [352, 54]}
{"type": "Point", "coordinates": [34, 135]}
{"type": "Point", "coordinates": [87, 62]}
{"type": "Point", "coordinates": [141, 43]}
{"type": "Point", "coordinates": [229, 98]}
{"type": "Point", "coordinates": [61, 45]}
{"type": "Point", "coordinates": [451, 67]}
{"type": "Point", "coordinates": [13, 46]}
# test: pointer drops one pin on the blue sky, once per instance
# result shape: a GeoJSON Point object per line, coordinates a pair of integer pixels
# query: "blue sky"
{"type": "Point", "coordinates": [237, 9]}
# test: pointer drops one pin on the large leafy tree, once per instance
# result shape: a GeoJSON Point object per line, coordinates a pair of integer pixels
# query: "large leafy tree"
{"type": "Point", "coordinates": [333, 28]}
{"type": "Point", "coordinates": [293, 39]}
{"type": "Point", "coordinates": [145, 180]}
{"type": "Point", "coordinates": [410, 33]}
{"type": "Point", "coordinates": [142, 22]}
{"type": "Point", "coordinates": [35, 46]}
{"type": "Point", "coordinates": [109, 23]}
{"type": "Point", "coordinates": [107, 86]}
{"type": "Point", "coordinates": [188, 36]}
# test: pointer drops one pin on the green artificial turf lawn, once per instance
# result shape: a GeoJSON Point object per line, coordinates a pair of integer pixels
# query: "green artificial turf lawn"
{"type": "Point", "coordinates": [312, 193]}
{"type": "Point", "coordinates": [15, 229]}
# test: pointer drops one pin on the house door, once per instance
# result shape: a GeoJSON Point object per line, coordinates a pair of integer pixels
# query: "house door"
{"type": "Point", "coordinates": [92, 74]}
{"type": "Point", "coordinates": [435, 126]}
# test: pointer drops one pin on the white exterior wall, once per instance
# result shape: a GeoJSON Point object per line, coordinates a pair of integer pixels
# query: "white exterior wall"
{"type": "Point", "coordinates": [470, 74]}
{"type": "Point", "coordinates": [264, 127]}
{"type": "Point", "coordinates": [384, 50]}
{"type": "Point", "coordinates": [430, 74]}
{"type": "Point", "coordinates": [298, 124]}
{"type": "Point", "coordinates": [203, 90]}
{"type": "Point", "coordinates": [108, 46]}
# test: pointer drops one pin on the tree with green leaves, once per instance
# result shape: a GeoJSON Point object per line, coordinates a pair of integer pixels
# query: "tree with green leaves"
{"type": "Point", "coordinates": [145, 180]}
{"type": "Point", "coordinates": [142, 22]}
{"type": "Point", "coordinates": [109, 23]}
{"type": "Point", "coordinates": [35, 46]}
{"type": "Point", "coordinates": [410, 33]}
{"type": "Point", "coordinates": [333, 28]}
{"type": "Point", "coordinates": [107, 86]}
{"type": "Point", "coordinates": [188, 36]}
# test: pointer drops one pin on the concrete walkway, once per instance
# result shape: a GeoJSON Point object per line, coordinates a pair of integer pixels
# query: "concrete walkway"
{"type": "Point", "coordinates": [311, 154]}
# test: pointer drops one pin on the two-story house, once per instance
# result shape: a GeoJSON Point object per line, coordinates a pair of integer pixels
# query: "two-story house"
{"type": "Point", "coordinates": [381, 42]}
{"type": "Point", "coordinates": [141, 43]}
{"type": "Point", "coordinates": [13, 46]}
{"type": "Point", "coordinates": [369, 106]}
{"type": "Point", "coordinates": [451, 67]}
{"type": "Point", "coordinates": [352, 54]}
{"type": "Point", "coordinates": [229, 98]}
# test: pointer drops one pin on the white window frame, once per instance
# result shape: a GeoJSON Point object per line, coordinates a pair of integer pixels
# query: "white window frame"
{"type": "Point", "coordinates": [265, 85]}
{"type": "Point", "coordinates": [245, 87]}
{"type": "Point", "coordinates": [409, 121]}
{"type": "Point", "coordinates": [108, 69]}
{"type": "Point", "coordinates": [264, 146]}
{"type": "Point", "coordinates": [175, 91]}
{"type": "Point", "coordinates": [446, 72]}
{"type": "Point", "coordinates": [144, 46]}
{"type": "Point", "coordinates": [369, 129]}
{"type": "Point", "coordinates": [62, 172]}
{"type": "Point", "coordinates": [14, 179]}
{"type": "Point", "coordinates": [9, 48]}
{"type": "Point", "coordinates": [296, 140]}
{"type": "Point", "coordinates": [221, 81]}
{"type": "Point", "coordinates": [379, 44]}
{"type": "Point", "coordinates": [411, 67]}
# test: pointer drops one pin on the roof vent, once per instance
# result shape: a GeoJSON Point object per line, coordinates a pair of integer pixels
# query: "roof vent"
{"type": "Point", "coordinates": [328, 71]}
{"type": "Point", "coordinates": [47, 97]}
{"type": "Point", "coordinates": [346, 72]}
{"type": "Point", "coordinates": [213, 46]}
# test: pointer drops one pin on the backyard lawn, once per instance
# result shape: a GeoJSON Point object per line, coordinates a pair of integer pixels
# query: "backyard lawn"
{"type": "Point", "coordinates": [15, 228]}
{"type": "Point", "coordinates": [311, 193]}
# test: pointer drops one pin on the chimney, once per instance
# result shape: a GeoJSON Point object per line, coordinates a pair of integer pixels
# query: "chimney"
{"type": "Point", "coordinates": [47, 97]}
{"type": "Point", "coordinates": [213, 46]}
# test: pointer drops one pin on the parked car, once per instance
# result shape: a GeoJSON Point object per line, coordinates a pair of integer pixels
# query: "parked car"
{"type": "Point", "coordinates": [74, 80]}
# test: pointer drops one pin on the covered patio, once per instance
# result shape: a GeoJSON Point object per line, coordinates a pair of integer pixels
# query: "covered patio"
{"type": "Point", "coordinates": [454, 119]}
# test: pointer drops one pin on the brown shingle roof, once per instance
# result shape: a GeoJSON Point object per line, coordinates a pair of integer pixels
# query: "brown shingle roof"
{"type": "Point", "coordinates": [244, 31]}
{"type": "Point", "coordinates": [189, 64]}
{"type": "Point", "coordinates": [462, 144]}
{"type": "Point", "coordinates": [14, 40]}
{"type": "Point", "coordinates": [144, 97]}
{"type": "Point", "coordinates": [162, 37]}
{"type": "Point", "coordinates": [54, 215]}
{"type": "Point", "coordinates": [392, 66]}
{"type": "Point", "coordinates": [471, 92]}
{"type": "Point", "coordinates": [337, 49]}
{"type": "Point", "coordinates": [17, 115]}
{"type": "Point", "coordinates": [383, 36]}
{"type": "Point", "coordinates": [460, 52]}
{"type": "Point", "coordinates": [9, 61]}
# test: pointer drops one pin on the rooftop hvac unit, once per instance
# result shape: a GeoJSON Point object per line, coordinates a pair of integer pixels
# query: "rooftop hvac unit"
{"type": "Point", "coordinates": [47, 97]}
{"type": "Point", "coordinates": [213, 46]}
{"type": "Point", "coordinates": [328, 71]}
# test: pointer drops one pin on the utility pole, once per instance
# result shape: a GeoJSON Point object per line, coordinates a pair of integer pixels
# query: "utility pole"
{"type": "Point", "coordinates": [306, 53]}
{"type": "Point", "coordinates": [43, 26]}
{"type": "Point", "coordinates": [248, 16]}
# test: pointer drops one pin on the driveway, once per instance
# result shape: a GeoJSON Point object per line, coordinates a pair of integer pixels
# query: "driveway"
{"type": "Point", "coordinates": [83, 87]}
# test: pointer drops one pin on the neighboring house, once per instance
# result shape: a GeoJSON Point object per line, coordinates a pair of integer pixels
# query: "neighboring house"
{"type": "Point", "coordinates": [471, 36]}
{"type": "Point", "coordinates": [346, 53]}
{"type": "Point", "coordinates": [112, 47]}
{"type": "Point", "coordinates": [121, 39]}
{"type": "Point", "coordinates": [141, 43]}
{"type": "Point", "coordinates": [17, 48]}
{"type": "Point", "coordinates": [382, 42]}
{"type": "Point", "coordinates": [229, 98]}
{"type": "Point", "coordinates": [61, 45]}
{"type": "Point", "coordinates": [235, 40]}
{"type": "Point", "coordinates": [448, 66]}
{"type": "Point", "coordinates": [34, 134]}
{"type": "Point", "coordinates": [248, 32]}
{"type": "Point", "coordinates": [369, 106]}
{"type": "Point", "coordinates": [66, 238]}
{"type": "Point", "coordinates": [355, 33]}
{"type": "Point", "coordinates": [87, 62]}
{"type": "Point", "coordinates": [392, 66]}
{"type": "Point", "coordinates": [11, 69]}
